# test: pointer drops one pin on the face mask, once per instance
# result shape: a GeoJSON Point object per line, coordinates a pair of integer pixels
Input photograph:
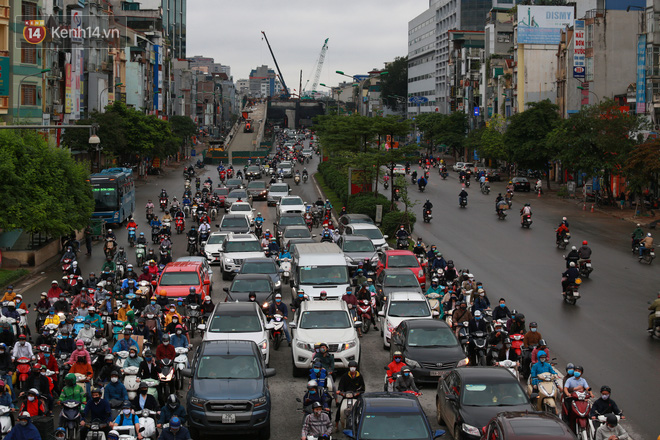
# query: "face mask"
{"type": "Point", "coordinates": [478, 318]}
{"type": "Point", "coordinates": [406, 374]}
{"type": "Point", "coordinates": [397, 360]}
{"type": "Point", "coordinates": [577, 374]}
{"type": "Point", "coordinates": [570, 372]}
{"type": "Point", "coordinates": [88, 325]}
{"type": "Point", "coordinates": [178, 332]}
{"type": "Point", "coordinates": [46, 355]}
{"type": "Point", "coordinates": [23, 422]}
{"type": "Point", "coordinates": [2, 352]}
{"type": "Point", "coordinates": [323, 350]}
{"type": "Point", "coordinates": [353, 369]}
{"type": "Point", "coordinates": [542, 360]}
{"type": "Point", "coordinates": [278, 301]}
{"type": "Point", "coordinates": [604, 396]}
{"type": "Point", "coordinates": [22, 343]}
{"type": "Point", "coordinates": [148, 359]}
{"type": "Point", "coordinates": [502, 305]}
{"type": "Point", "coordinates": [144, 392]}
{"type": "Point", "coordinates": [166, 343]}
{"type": "Point", "coordinates": [127, 411]}
{"type": "Point", "coordinates": [153, 303]}
{"type": "Point", "coordinates": [133, 355]}
{"type": "Point", "coordinates": [31, 398]}
{"type": "Point", "coordinates": [300, 295]}
{"type": "Point", "coordinates": [312, 391]}
{"type": "Point", "coordinates": [317, 370]}
{"type": "Point", "coordinates": [172, 405]}
{"type": "Point", "coordinates": [96, 399]}
{"type": "Point", "coordinates": [114, 379]}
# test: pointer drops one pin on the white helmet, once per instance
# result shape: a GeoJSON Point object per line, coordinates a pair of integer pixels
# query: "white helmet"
{"type": "Point", "coordinates": [574, 248]}
{"type": "Point", "coordinates": [648, 235]}
{"type": "Point", "coordinates": [564, 218]}
{"type": "Point", "coordinates": [477, 313]}
{"type": "Point", "coordinates": [572, 264]}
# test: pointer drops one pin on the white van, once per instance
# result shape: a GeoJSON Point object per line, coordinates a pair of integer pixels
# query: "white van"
{"type": "Point", "coordinates": [317, 267]}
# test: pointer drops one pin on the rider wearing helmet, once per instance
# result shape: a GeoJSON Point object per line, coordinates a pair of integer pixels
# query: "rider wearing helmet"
{"type": "Point", "coordinates": [351, 382]}
{"type": "Point", "coordinates": [585, 251]}
{"type": "Point", "coordinates": [327, 359]}
{"type": "Point", "coordinates": [314, 395]}
{"type": "Point", "coordinates": [605, 405]}
{"type": "Point", "coordinates": [193, 297]}
{"type": "Point", "coordinates": [646, 242]}
{"type": "Point", "coordinates": [127, 418]}
{"type": "Point", "coordinates": [165, 350]}
{"type": "Point", "coordinates": [611, 429]}
{"type": "Point", "coordinates": [405, 381]}
{"type": "Point", "coordinates": [172, 408]}
{"type": "Point", "coordinates": [394, 367]}
{"type": "Point", "coordinates": [24, 429]}
{"type": "Point", "coordinates": [317, 424]}
{"type": "Point", "coordinates": [176, 431]}
{"type": "Point", "coordinates": [97, 409]}
{"type": "Point", "coordinates": [542, 366]}
{"type": "Point", "coordinates": [575, 383]}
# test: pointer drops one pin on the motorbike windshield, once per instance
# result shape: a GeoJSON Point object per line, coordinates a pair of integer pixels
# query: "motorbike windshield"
{"type": "Point", "coordinates": [320, 319]}
{"type": "Point", "coordinates": [494, 394]}
{"type": "Point", "coordinates": [235, 323]}
{"type": "Point", "coordinates": [323, 275]}
{"type": "Point", "coordinates": [179, 279]}
{"type": "Point", "coordinates": [431, 337]}
{"type": "Point", "coordinates": [228, 367]}
{"type": "Point", "coordinates": [402, 261]}
{"type": "Point", "coordinates": [402, 280]}
{"type": "Point", "coordinates": [379, 425]}
{"type": "Point", "coordinates": [409, 309]}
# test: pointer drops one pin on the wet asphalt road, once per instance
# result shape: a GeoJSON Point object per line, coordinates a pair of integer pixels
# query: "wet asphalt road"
{"type": "Point", "coordinates": [604, 332]}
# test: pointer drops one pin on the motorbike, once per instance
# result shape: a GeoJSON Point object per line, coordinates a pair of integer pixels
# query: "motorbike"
{"type": "Point", "coordinates": [110, 247]}
{"type": "Point", "coordinates": [511, 366]}
{"type": "Point", "coordinates": [180, 362]}
{"type": "Point", "coordinates": [564, 240]}
{"type": "Point", "coordinates": [402, 243]}
{"type": "Point", "coordinates": [140, 253]}
{"type": "Point", "coordinates": [501, 214]}
{"type": "Point", "coordinates": [131, 236]}
{"type": "Point", "coordinates": [585, 268]}
{"type": "Point", "coordinates": [647, 256]}
{"type": "Point", "coordinates": [517, 342]}
{"type": "Point", "coordinates": [572, 293]}
{"type": "Point", "coordinates": [276, 326]}
{"type": "Point", "coordinates": [305, 177]}
{"type": "Point", "coordinates": [421, 188]}
{"type": "Point", "coordinates": [5, 421]}
{"type": "Point", "coordinates": [346, 406]}
{"type": "Point", "coordinates": [397, 194]}
{"type": "Point", "coordinates": [593, 424]}
{"type": "Point", "coordinates": [66, 266]}
{"type": "Point", "coordinates": [192, 245]}
{"type": "Point", "coordinates": [22, 372]}
{"type": "Point", "coordinates": [186, 211]}
{"type": "Point", "coordinates": [193, 319]}
{"type": "Point", "coordinates": [386, 184]}
{"type": "Point", "coordinates": [434, 299]}
{"type": "Point", "coordinates": [578, 414]}
{"type": "Point", "coordinates": [155, 232]}
{"type": "Point", "coordinates": [166, 377]}
{"type": "Point", "coordinates": [131, 381]}
{"type": "Point", "coordinates": [477, 342]}
{"type": "Point", "coordinates": [364, 313]}
{"type": "Point", "coordinates": [179, 225]}
{"type": "Point", "coordinates": [163, 204]}
{"type": "Point", "coordinates": [485, 189]}
{"type": "Point", "coordinates": [42, 314]}
{"type": "Point", "coordinates": [656, 325]}
{"type": "Point", "coordinates": [153, 385]}
{"type": "Point", "coordinates": [427, 215]}
{"type": "Point", "coordinates": [296, 179]}
{"type": "Point", "coordinates": [527, 221]}
{"type": "Point", "coordinates": [121, 359]}
{"type": "Point", "coordinates": [462, 202]}
{"type": "Point", "coordinates": [285, 267]}
{"type": "Point", "coordinates": [548, 394]}
{"type": "Point", "coordinates": [150, 214]}
{"type": "Point", "coordinates": [96, 430]}
{"type": "Point", "coordinates": [214, 213]}
{"type": "Point", "coordinates": [147, 420]}
{"type": "Point", "coordinates": [71, 418]}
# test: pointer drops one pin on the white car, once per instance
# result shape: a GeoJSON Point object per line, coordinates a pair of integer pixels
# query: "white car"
{"type": "Point", "coordinates": [401, 306]}
{"type": "Point", "coordinates": [290, 204]}
{"type": "Point", "coordinates": [326, 321]}
{"type": "Point", "coordinates": [213, 247]}
{"type": "Point", "coordinates": [235, 249]}
{"type": "Point", "coordinates": [242, 321]}
{"type": "Point", "coordinates": [399, 169]}
{"type": "Point", "coordinates": [458, 166]}
{"type": "Point", "coordinates": [370, 231]}
{"type": "Point", "coordinates": [242, 208]}
{"type": "Point", "coordinates": [276, 191]}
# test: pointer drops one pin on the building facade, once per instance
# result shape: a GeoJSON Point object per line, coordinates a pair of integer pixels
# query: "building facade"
{"type": "Point", "coordinates": [421, 62]}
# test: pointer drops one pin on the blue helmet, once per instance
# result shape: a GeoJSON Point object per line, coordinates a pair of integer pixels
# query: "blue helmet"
{"type": "Point", "coordinates": [175, 422]}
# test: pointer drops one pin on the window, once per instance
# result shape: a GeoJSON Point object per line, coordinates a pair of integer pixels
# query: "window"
{"type": "Point", "coordinates": [29, 10]}
{"type": "Point", "coordinates": [28, 53]}
{"type": "Point", "coordinates": [28, 94]}
{"type": "Point", "coordinates": [590, 69]}
{"type": "Point", "coordinates": [590, 36]}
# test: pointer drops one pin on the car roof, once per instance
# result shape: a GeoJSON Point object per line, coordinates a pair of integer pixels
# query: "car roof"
{"type": "Point", "coordinates": [397, 271]}
{"type": "Point", "coordinates": [406, 296]}
{"type": "Point", "coordinates": [191, 259]}
{"type": "Point", "coordinates": [234, 216]}
{"type": "Point", "coordinates": [353, 217]}
{"type": "Point", "coordinates": [356, 238]}
{"type": "Point", "coordinates": [252, 276]}
{"type": "Point", "coordinates": [534, 422]}
{"type": "Point", "coordinates": [229, 347]}
{"type": "Point", "coordinates": [390, 402]}
{"type": "Point", "coordinates": [484, 374]}
{"type": "Point", "coordinates": [323, 305]}
{"type": "Point", "coordinates": [241, 237]}
{"type": "Point", "coordinates": [390, 252]}
{"type": "Point", "coordinates": [236, 306]}
{"type": "Point", "coordinates": [291, 197]}
{"type": "Point", "coordinates": [182, 266]}
{"type": "Point", "coordinates": [290, 214]}
{"type": "Point", "coordinates": [291, 227]}
{"type": "Point", "coordinates": [426, 323]}
{"type": "Point", "coordinates": [362, 226]}
{"type": "Point", "coordinates": [258, 260]}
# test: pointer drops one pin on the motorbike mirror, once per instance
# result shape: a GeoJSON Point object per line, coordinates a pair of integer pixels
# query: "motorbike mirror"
{"type": "Point", "coordinates": [439, 433]}
{"type": "Point", "coordinates": [452, 397]}
{"type": "Point", "coordinates": [533, 396]}
{"type": "Point", "coordinates": [226, 289]}
{"type": "Point", "coordinates": [357, 324]}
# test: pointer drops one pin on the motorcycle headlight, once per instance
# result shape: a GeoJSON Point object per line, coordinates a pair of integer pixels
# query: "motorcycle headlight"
{"type": "Point", "coordinates": [463, 362]}
{"type": "Point", "coordinates": [471, 430]}
{"type": "Point", "coordinates": [412, 363]}
{"type": "Point", "coordinates": [346, 346]}
{"type": "Point", "coordinates": [261, 401]}
{"type": "Point", "coordinates": [305, 346]}
{"type": "Point", "coordinates": [197, 402]}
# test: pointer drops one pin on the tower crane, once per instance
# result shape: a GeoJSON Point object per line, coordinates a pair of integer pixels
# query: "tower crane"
{"type": "Point", "coordinates": [286, 93]}
{"type": "Point", "coordinates": [319, 66]}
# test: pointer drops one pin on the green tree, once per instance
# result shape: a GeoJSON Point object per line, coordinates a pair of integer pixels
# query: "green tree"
{"type": "Point", "coordinates": [44, 189]}
{"type": "Point", "coordinates": [491, 142]}
{"type": "Point", "coordinates": [395, 82]}
{"type": "Point", "coordinates": [643, 167]}
{"type": "Point", "coordinates": [183, 127]}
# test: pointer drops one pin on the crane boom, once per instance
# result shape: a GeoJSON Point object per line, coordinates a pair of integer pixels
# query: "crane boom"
{"type": "Point", "coordinates": [286, 93]}
{"type": "Point", "coordinates": [319, 66]}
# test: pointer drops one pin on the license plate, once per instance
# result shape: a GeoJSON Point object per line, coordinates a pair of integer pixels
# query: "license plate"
{"type": "Point", "coordinates": [652, 254]}
{"type": "Point", "coordinates": [229, 418]}
{"type": "Point", "coordinates": [576, 294]}
{"type": "Point", "coordinates": [436, 373]}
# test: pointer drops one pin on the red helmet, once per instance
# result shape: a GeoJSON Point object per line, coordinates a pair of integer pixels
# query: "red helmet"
{"type": "Point", "coordinates": [585, 242]}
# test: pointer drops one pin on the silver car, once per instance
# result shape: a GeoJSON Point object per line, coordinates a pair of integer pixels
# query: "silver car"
{"type": "Point", "coordinates": [358, 249]}
{"type": "Point", "coordinates": [276, 192]}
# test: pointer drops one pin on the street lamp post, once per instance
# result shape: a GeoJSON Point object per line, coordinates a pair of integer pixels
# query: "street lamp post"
{"type": "Point", "coordinates": [95, 143]}
{"type": "Point", "coordinates": [332, 95]}
{"type": "Point", "coordinates": [360, 85]}
{"type": "Point", "coordinates": [101, 94]}
{"type": "Point", "coordinates": [20, 93]}
{"type": "Point", "coordinates": [590, 91]}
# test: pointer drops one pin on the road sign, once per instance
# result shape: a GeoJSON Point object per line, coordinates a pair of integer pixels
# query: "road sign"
{"type": "Point", "coordinates": [360, 77]}
{"type": "Point", "coordinates": [418, 99]}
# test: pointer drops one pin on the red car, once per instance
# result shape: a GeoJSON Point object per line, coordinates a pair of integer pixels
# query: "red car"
{"type": "Point", "coordinates": [178, 277]}
{"type": "Point", "coordinates": [395, 258]}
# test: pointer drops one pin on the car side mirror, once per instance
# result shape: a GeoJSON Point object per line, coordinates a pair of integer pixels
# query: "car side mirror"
{"type": "Point", "coordinates": [226, 289]}
{"type": "Point", "coordinates": [270, 372]}
{"type": "Point", "coordinates": [533, 396]}
{"type": "Point", "coordinates": [186, 372]}
{"type": "Point", "coordinates": [348, 433]}
{"type": "Point", "coordinates": [217, 226]}
{"type": "Point", "coordinates": [381, 313]}
{"type": "Point", "coordinates": [293, 325]}
{"type": "Point", "coordinates": [201, 327]}
{"type": "Point", "coordinates": [386, 237]}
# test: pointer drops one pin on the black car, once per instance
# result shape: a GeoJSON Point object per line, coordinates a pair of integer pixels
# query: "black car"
{"type": "Point", "coordinates": [288, 219]}
{"type": "Point", "coordinates": [259, 284]}
{"type": "Point", "coordinates": [520, 184]}
{"type": "Point", "coordinates": [429, 347]}
{"type": "Point", "coordinates": [263, 266]}
{"type": "Point", "coordinates": [257, 189]}
{"type": "Point", "coordinates": [527, 426]}
{"type": "Point", "coordinates": [468, 397]}
{"type": "Point", "coordinates": [396, 280]}
{"type": "Point", "coordinates": [253, 172]}
{"type": "Point", "coordinates": [347, 219]}
{"type": "Point", "coordinates": [228, 390]}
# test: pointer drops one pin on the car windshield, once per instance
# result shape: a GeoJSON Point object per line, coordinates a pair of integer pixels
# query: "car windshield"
{"type": "Point", "coordinates": [234, 222]}
{"type": "Point", "coordinates": [250, 285]}
{"type": "Point", "coordinates": [320, 275]}
{"type": "Point", "coordinates": [493, 394]}
{"type": "Point", "coordinates": [235, 323]}
{"type": "Point", "coordinates": [297, 233]}
{"type": "Point", "coordinates": [257, 184]}
{"type": "Point", "coordinates": [402, 261]}
{"type": "Point", "coordinates": [179, 279]}
{"type": "Point", "coordinates": [401, 280]}
{"type": "Point", "coordinates": [242, 246]}
{"type": "Point", "coordinates": [292, 201]}
{"type": "Point", "coordinates": [215, 239]}
{"type": "Point", "coordinates": [431, 337]}
{"type": "Point", "coordinates": [241, 207]}
{"type": "Point", "coordinates": [409, 309]}
{"type": "Point", "coordinates": [228, 367]}
{"type": "Point", "coordinates": [279, 188]}
{"type": "Point", "coordinates": [221, 191]}
{"type": "Point", "coordinates": [293, 220]}
{"type": "Point", "coordinates": [267, 267]}
{"type": "Point", "coordinates": [407, 426]}
{"type": "Point", "coordinates": [358, 246]}
{"type": "Point", "coordinates": [316, 319]}
{"type": "Point", "coordinates": [372, 233]}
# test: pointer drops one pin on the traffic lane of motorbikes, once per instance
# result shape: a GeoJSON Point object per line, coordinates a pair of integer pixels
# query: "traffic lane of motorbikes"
{"type": "Point", "coordinates": [524, 266]}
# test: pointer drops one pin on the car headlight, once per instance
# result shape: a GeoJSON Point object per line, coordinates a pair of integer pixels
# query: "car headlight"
{"type": "Point", "coordinates": [412, 363]}
{"type": "Point", "coordinates": [197, 402]}
{"type": "Point", "coordinates": [347, 345]}
{"type": "Point", "coordinates": [471, 430]}
{"type": "Point", "coordinates": [390, 327]}
{"type": "Point", "coordinates": [374, 260]}
{"type": "Point", "coordinates": [463, 362]}
{"type": "Point", "coordinates": [305, 346]}
{"type": "Point", "coordinates": [261, 401]}
{"type": "Point", "coordinates": [278, 283]}
{"type": "Point", "coordinates": [263, 344]}
{"type": "Point", "coordinates": [420, 273]}
{"type": "Point", "coordinates": [228, 260]}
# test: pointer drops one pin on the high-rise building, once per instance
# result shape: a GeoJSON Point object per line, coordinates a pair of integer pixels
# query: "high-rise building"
{"type": "Point", "coordinates": [262, 81]}
{"type": "Point", "coordinates": [174, 25]}
{"type": "Point", "coordinates": [421, 61]}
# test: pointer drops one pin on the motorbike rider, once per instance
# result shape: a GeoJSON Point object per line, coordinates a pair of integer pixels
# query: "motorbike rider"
{"type": "Point", "coordinates": [419, 249]}
{"type": "Point", "coordinates": [278, 307]}
{"type": "Point", "coordinates": [69, 254]}
{"type": "Point", "coordinates": [273, 247]}
{"type": "Point", "coordinates": [108, 368]}
{"type": "Point", "coordinates": [462, 195]}
{"type": "Point", "coordinates": [350, 382]}
{"type": "Point", "coordinates": [127, 418]}
{"type": "Point", "coordinates": [611, 430]}
{"type": "Point", "coordinates": [541, 367]}
{"type": "Point", "coordinates": [422, 182]}
{"type": "Point", "coordinates": [24, 429]}
{"type": "Point", "coordinates": [313, 395]}
{"type": "Point", "coordinates": [477, 323]}
{"type": "Point", "coordinates": [637, 235]}
{"type": "Point", "coordinates": [501, 311]}
{"type": "Point", "coordinates": [575, 383]}
{"type": "Point", "coordinates": [562, 230]}
{"type": "Point", "coordinates": [402, 233]}
{"type": "Point", "coordinates": [172, 408]}
{"type": "Point", "coordinates": [97, 409]}
{"type": "Point", "coordinates": [193, 296]}
{"type": "Point", "coordinates": [480, 302]}
{"type": "Point", "coordinates": [259, 218]}
{"type": "Point", "coordinates": [584, 252]}
{"type": "Point", "coordinates": [533, 336]}
{"type": "Point", "coordinates": [327, 359]}
{"type": "Point", "coordinates": [360, 279]}
{"type": "Point", "coordinates": [506, 353]}
{"type": "Point", "coordinates": [22, 348]}
{"type": "Point", "coordinates": [127, 342]}
{"type": "Point", "coordinates": [461, 314]}
{"type": "Point", "coordinates": [569, 276]}
{"type": "Point", "coordinates": [115, 389]}
{"type": "Point", "coordinates": [405, 381]}
{"type": "Point", "coordinates": [297, 301]}
{"type": "Point", "coordinates": [646, 242]}
{"type": "Point", "coordinates": [317, 423]}
{"type": "Point", "coordinates": [572, 257]}
{"type": "Point", "coordinates": [526, 210]}
{"type": "Point", "coordinates": [654, 307]}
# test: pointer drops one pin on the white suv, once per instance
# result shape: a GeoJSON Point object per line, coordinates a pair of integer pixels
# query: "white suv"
{"type": "Point", "coordinates": [402, 306]}
{"type": "Point", "coordinates": [242, 321]}
{"type": "Point", "coordinates": [290, 204]}
{"type": "Point", "coordinates": [323, 321]}
{"type": "Point", "coordinates": [235, 249]}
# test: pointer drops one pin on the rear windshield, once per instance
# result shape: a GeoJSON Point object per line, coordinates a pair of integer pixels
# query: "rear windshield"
{"type": "Point", "coordinates": [279, 188]}
{"type": "Point", "coordinates": [235, 323]}
{"type": "Point", "coordinates": [358, 246]}
{"type": "Point", "coordinates": [262, 268]}
{"type": "Point", "coordinates": [409, 309]}
{"type": "Point", "coordinates": [292, 201]}
{"type": "Point", "coordinates": [293, 220]}
{"type": "Point", "coordinates": [297, 233]}
{"type": "Point", "coordinates": [494, 394]}
{"type": "Point", "coordinates": [258, 184]}
{"type": "Point", "coordinates": [180, 279]}
{"type": "Point", "coordinates": [233, 222]}
{"type": "Point", "coordinates": [401, 280]}
{"type": "Point", "coordinates": [372, 233]}
{"type": "Point", "coordinates": [221, 191]}
{"type": "Point", "coordinates": [240, 207]}
{"type": "Point", "coordinates": [216, 239]}
{"type": "Point", "coordinates": [402, 261]}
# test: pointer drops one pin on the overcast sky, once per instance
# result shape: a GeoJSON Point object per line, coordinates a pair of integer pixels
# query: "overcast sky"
{"type": "Point", "coordinates": [363, 34]}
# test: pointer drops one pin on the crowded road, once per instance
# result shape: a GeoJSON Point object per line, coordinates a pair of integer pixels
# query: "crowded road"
{"type": "Point", "coordinates": [604, 332]}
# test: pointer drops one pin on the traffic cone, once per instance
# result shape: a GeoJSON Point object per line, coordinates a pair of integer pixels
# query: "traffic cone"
{"type": "Point", "coordinates": [592, 207]}
{"type": "Point", "coordinates": [584, 206]}
{"type": "Point", "coordinates": [539, 193]}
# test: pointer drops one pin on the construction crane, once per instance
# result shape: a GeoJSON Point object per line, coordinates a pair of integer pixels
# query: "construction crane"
{"type": "Point", "coordinates": [286, 94]}
{"type": "Point", "coordinates": [319, 66]}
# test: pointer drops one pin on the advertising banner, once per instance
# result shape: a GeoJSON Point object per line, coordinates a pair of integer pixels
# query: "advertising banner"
{"type": "Point", "coordinates": [4, 76]}
{"type": "Point", "coordinates": [641, 74]}
{"type": "Point", "coordinates": [579, 52]}
{"type": "Point", "coordinates": [543, 24]}
{"type": "Point", "coordinates": [68, 95]}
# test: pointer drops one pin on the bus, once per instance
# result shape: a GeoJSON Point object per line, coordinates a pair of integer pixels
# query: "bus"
{"type": "Point", "coordinates": [114, 194]}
